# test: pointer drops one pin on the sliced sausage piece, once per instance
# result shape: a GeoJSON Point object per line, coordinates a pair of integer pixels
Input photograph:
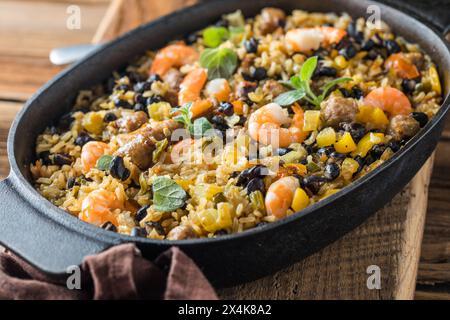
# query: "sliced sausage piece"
{"type": "Point", "coordinates": [338, 109]}
{"type": "Point", "coordinates": [131, 122]}
{"type": "Point", "coordinates": [403, 126]}
{"type": "Point", "coordinates": [181, 233]}
{"type": "Point", "coordinates": [142, 142]}
{"type": "Point", "coordinates": [271, 19]}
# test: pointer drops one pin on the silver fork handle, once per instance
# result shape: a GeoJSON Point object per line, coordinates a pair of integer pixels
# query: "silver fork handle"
{"type": "Point", "coordinates": [66, 55]}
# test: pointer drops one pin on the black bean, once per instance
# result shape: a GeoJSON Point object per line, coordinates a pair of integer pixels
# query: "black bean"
{"type": "Point", "coordinates": [421, 118]}
{"type": "Point", "coordinates": [337, 156]}
{"type": "Point", "coordinates": [372, 55]}
{"type": "Point", "coordinates": [345, 93]}
{"type": "Point", "coordinates": [356, 130]}
{"type": "Point", "coordinates": [62, 159]}
{"type": "Point", "coordinates": [139, 98]}
{"type": "Point", "coordinates": [248, 174]}
{"type": "Point", "coordinates": [259, 74]}
{"type": "Point", "coordinates": [394, 145]}
{"type": "Point", "coordinates": [45, 157]}
{"type": "Point", "coordinates": [368, 45]}
{"type": "Point", "coordinates": [360, 161]}
{"type": "Point", "coordinates": [219, 122]}
{"type": "Point", "coordinates": [308, 148]}
{"type": "Point", "coordinates": [110, 116]}
{"type": "Point", "coordinates": [108, 226]}
{"type": "Point", "coordinates": [153, 99]}
{"type": "Point", "coordinates": [118, 170]}
{"type": "Point", "coordinates": [326, 71]}
{"type": "Point", "coordinates": [70, 183]}
{"type": "Point", "coordinates": [251, 45]}
{"type": "Point", "coordinates": [157, 226]}
{"type": "Point", "coordinates": [139, 107]}
{"type": "Point", "coordinates": [65, 121]}
{"type": "Point", "coordinates": [313, 183]}
{"type": "Point", "coordinates": [138, 232]}
{"type": "Point", "coordinates": [283, 151]}
{"type": "Point", "coordinates": [369, 159]}
{"type": "Point", "coordinates": [357, 93]}
{"type": "Point", "coordinates": [226, 108]}
{"type": "Point", "coordinates": [221, 232]}
{"type": "Point", "coordinates": [392, 46]}
{"type": "Point", "coordinates": [353, 32]}
{"type": "Point", "coordinates": [241, 121]}
{"type": "Point", "coordinates": [321, 53]}
{"type": "Point", "coordinates": [408, 85]}
{"type": "Point", "coordinates": [332, 171]}
{"type": "Point", "coordinates": [122, 104]}
{"type": "Point", "coordinates": [134, 76]}
{"type": "Point", "coordinates": [82, 139]}
{"type": "Point", "coordinates": [141, 213]}
{"type": "Point", "coordinates": [153, 78]}
{"type": "Point", "coordinates": [140, 87]}
{"type": "Point", "coordinates": [325, 151]}
{"type": "Point", "coordinates": [256, 184]}
{"type": "Point", "coordinates": [377, 150]}
{"type": "Point", "coordinates": [348, 52]}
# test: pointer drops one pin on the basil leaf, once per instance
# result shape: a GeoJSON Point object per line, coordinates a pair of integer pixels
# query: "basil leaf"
{"type": "Point", "coordinates": [307, 70]}
{"type": "Point", "coordinates": [331, 84]}
{"type": "Point", "coordinates": [214, 36]}
{"type": "Point", "coordinates": [167, 195]}
{"type": "Point", "coordinates": [103, 162]}
{"type": "Point", "coordinates": [220, 62]}
{"type": "Point", "coordinates": [200, 126]}
{"type": "Point", "coordinates": [288, 98]}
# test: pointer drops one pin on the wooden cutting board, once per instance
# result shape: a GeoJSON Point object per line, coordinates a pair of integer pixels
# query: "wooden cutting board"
{"type": "Point", "coordinates": [389, 240]}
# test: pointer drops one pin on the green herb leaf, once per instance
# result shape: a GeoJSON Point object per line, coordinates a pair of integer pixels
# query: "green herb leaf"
{"type": "Point", "coordinates": [200, 126]}
{"type": "Point", "coordinates": [331, 84]}
{"type": "Point", "coordinates": [220, 62]}
{"type": "Point", "coordinates": [288, 98]}
{"type": "Point", "coordinates": [296, 82]}
{"type": "Point", "coordinates": [167, 195]}
{"type": "Point", "coordinates": [235, 31]}
{"type": "Point", "coordinates": [307, 70]}
{"type": "Point", "coordinates": [185, 114]}
{"type": "Point", "coordinates": [104, 162]}
{"type": "Point", "coordinates": [214, 36]}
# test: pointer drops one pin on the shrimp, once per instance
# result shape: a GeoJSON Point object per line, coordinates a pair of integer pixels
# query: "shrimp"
{"type": "Point", "coordinates": [91, 152]}
{"type": "Point", "coordinates": [390, 100]}
{"type": "Point", "coordinates": [175, 55]}
{"type": "Point", "coordinates": [308, 39]}
{"type": "Point", "coordinates": [97, 208]}
{"type": "Point", "coordinates": [402, 66]}
{"type": "Point", "coordinates": [279, 196]}
{"type": "Point", "coordinates": [218, 89]}
{"type": "Point", "coordinates": [190, 89]}
{"type": "Point", "coordinates": [265, 124]}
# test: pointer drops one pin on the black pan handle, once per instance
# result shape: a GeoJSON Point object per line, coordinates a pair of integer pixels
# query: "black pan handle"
{"type": "Point", "coordinates": [433, 12]}
{"type": "Point", "coordinates": [44, 243]}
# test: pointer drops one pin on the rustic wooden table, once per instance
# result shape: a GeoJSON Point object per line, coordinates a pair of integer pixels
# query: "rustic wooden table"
{"type": "Point", "coordinates": [391, 239]}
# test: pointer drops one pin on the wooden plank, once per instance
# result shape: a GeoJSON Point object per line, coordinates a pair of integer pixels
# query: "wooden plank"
{"type": "Point", "coordinates": [28, 31]}
{"type": "Point", "coordinates": [8, 111]}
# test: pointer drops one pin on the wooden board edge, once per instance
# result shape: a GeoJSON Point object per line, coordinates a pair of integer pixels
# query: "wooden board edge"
{"type": "Point", "coordinates": [409, 256]}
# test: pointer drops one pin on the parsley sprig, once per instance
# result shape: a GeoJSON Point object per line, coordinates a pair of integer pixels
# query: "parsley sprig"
{"type": "Point", "coordinates": [301, 89]}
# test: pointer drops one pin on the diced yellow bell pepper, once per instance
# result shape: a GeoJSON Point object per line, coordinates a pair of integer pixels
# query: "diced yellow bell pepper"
{"type": "Point", "coordinates": [311, 120]}
{"type": "Point", "coordinates": [379, 118]}
{"type": "Point", "coordinates": [300, 201]}
{"type": "Point", "coordinates": [184, 183]}
{"type": "Point", "coordinates": [367, 142]}
{"type": "Point", "coordinates": [340, 62]}
{"type": "Point", "coordinates": [345, 144]}
{"type": "Point", "coordinates": [298, 167]}
{"type": "Point", "coordinates": [159, 111]}
{"type": "Point", "coordinates": [216, 219]}
{"type": "Point", "coordinates": [348, 168]}
{"type": "Point", "coordinates": [93, 122]}
{"type": "Point", "coordinates": [365, 114]}
{"type": "Point", "coordinates": [204, 190]}
{"type": "Point", "coordinates": [434, 80]}
{"type": "Point", "coordinates": [326, 137]}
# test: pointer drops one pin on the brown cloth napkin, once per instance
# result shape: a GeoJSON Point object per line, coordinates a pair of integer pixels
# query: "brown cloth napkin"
{"type": "Point", "coordinates": [118, 273]}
